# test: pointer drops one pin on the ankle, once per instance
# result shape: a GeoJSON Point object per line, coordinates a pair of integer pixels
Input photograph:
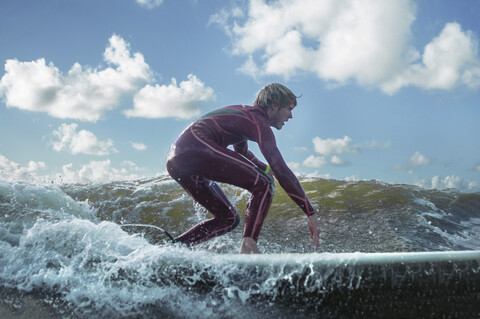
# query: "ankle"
{"type": "Point", "coordinates": [249, 246]}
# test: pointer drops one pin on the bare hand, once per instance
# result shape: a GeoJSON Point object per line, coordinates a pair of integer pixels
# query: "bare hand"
{"type": "Point", "coordinates": [314, 230]}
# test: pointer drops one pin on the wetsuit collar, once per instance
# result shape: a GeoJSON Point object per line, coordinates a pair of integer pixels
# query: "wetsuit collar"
{"type": "Point", "coordinates": [260, 110]}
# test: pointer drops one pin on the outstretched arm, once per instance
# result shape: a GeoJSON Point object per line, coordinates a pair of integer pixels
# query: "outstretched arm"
{"type": "Point", "coordinates": [290, 184]}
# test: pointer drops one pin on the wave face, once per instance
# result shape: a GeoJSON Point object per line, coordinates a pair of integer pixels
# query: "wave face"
{"type": "Point", "coordinates": [64, 245]}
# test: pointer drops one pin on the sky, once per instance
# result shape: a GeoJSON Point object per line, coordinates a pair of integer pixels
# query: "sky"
{"type": "Point", "coordinates": [97, 90]}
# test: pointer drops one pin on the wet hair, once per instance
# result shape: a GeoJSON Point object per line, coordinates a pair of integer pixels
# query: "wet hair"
{"type": "Point", "coordinates": [275, 93]}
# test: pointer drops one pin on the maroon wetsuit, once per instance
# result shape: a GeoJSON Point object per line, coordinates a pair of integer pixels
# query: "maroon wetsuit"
{"type": "Point", "coordinates": [201, 155]}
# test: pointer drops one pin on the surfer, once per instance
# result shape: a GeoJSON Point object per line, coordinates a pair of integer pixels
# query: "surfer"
{"type": "Point", "coordinates": [200, 157]}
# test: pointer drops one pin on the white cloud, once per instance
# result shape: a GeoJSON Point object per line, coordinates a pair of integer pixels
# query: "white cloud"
{"type": "Point", "coordinates": [82, 142]}
{"type": "Point", "coordinates": [371, 145]}
{"type": "Point", "coordinates": [83, 93]}
{"type": "Point", "coordinates": [99, 171]}
{"type": "Point", "coordinates": [10, 170]}
{"type": "Point", "coordinates": [315, 161]}
{"type": "Point", "coordinates": [449, 59]}
{"type": "Point", "coordinates": [353, 178]}
{"type": "Point", "coordinates": [450, 181]}
{"type": "Point", "coordinates": [369, 41]}
{"type": "Point", "coordinates": [316, 174]}
{"type": "Point", "coordinates": [337, 161]}
{"type": "Point", "coordinates": [131, 166]}
{"type": "Point", "coordinates": [302, 149]}
{"type": "Point", "coordinates": [178, 101]}
{"type": "Point", "coordinates": [294, 166]}
{"type": "Point", "coordinates": [334, 146]}
{"type": "Point", "coordinates": [94, 171]}
{"type": "Point", "coordinates": [150, 4]}
{"type": "Point", "coordinates": [417, 160]}
{"type": "Point", "coordinates": [138, 146]}
{"type": "Point", "coordinates": [477, 168]}
{"type": "Point", "coordinates": [222, 16]}
{"type": "Point", "coordinates": [335, 39]}
{"type": "Point", "coordinates": [250, 68]}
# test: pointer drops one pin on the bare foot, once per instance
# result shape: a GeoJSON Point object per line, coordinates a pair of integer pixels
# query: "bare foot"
{"type": "Point", "coordinates": [249, 246]}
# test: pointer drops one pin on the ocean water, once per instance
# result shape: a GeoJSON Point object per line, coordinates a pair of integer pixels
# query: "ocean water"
{"type": "Point", "coordinates": [63, 245]}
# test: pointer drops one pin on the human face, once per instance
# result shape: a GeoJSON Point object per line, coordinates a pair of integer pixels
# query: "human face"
{"type": "Point", "coordinates": [278, 115]}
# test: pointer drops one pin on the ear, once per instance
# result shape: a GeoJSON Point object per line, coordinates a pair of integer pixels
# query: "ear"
{"type": "Point", "coordinates": [274, 106]}
{"type": "Point", "coordinates": [272, 110]}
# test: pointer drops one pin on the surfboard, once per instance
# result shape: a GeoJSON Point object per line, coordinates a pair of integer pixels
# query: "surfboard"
{"type": "Point", "coordinates": [333, 259]}
{"type": "Point", "coordinates": [356, 258]}
{"type": "Point", "coordinates": [395, 284]}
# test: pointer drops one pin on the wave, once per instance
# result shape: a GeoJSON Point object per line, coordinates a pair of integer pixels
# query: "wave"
{"type": "Point", "coordinates": [63, 244]}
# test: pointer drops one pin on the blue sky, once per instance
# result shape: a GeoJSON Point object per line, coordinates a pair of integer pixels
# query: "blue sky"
{"type": "Point", "coordinates": [98, 90]}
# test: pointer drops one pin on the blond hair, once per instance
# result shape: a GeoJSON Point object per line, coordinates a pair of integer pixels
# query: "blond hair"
{"type": "Point", "coordinates": [275, 93]}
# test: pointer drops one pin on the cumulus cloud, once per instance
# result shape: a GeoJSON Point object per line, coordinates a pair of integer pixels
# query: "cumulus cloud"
{"type": "Point", "coordinates": [82, 142]}
{"type": "Point", "coordinates": [10, 170]}
{"type": "Point", "coordinates": [94, 171]}
{"type": "Point", "coordinates": [353, 178]}
{"type": "Point", "coordinates": [294, 166]}
{"type": "Point", "coordinates": [150, 4]}
{"type": "Point", "coordinates": [449, 59]}
{"type": "Point", "coordinates": [417, 160]}
{"type": "Point", "coordinates": [451, 181]}
{"type": "Point", "coordinates": [83, 93]}
{"type": "Point", "coordinates": [86, 94]}
{"type": "Point", "coordinates": [369, 41]}
{"type": "Point", "coordinates": [315, 161]}
{"type": "Point", "coordinates": [338, 161]}
{"type": "Point", "coordinates": [174, 100]}
{"type": "Point", "coordinates": [138, 146]}
{"type": "Point", "coordinates": [99, 171]}
{"type": "Point", "coordinates": [334, 146]}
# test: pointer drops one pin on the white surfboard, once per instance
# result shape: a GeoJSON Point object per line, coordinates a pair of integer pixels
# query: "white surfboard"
{"type": "Point", "coordinates": [338, 259]}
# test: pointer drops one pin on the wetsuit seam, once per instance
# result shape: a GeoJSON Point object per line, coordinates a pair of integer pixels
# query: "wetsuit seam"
{"type": "Point", "coordinates": [216, 151]}
{"type": "Point", "coordinates": [226, 229]}
{"type": "Point", "coordinates": [260, 214]}
{"type": "Point", "coordinates": [305, 202]}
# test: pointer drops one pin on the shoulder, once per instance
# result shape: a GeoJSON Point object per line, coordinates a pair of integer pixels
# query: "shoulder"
{"type": "Point", "coordinates": [227, 110]}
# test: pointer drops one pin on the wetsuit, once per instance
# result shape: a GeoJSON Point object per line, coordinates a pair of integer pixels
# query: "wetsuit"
{"type": "Point", "coordinates": [200, 155]}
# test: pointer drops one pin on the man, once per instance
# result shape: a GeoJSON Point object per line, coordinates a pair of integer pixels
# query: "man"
{"type": "Point", "coordinates": [201, 156]}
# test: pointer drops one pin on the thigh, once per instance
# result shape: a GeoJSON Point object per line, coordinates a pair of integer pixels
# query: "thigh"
{"type": "Point", "coordinates": [215, 163]}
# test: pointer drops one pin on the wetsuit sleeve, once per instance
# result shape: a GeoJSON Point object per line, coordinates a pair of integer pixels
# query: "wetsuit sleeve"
{"type": "Point", "coordinates": [287, 180]}
{"type": "Point", "coordinates": [242, 148]}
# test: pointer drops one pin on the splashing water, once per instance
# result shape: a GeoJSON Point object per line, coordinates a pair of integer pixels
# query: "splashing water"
{"type": "Point", "coordinates": [63, 245]}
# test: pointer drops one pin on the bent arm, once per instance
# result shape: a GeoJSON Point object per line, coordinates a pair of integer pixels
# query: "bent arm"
{"type": "Point", "coordinates": [242, 148]}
